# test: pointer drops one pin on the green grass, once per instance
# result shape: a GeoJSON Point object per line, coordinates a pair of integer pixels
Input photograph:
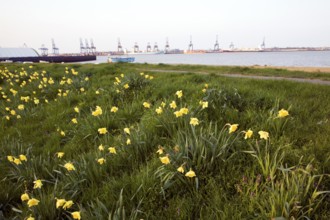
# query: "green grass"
{"type": "Point", "coordinates": [285, 176]}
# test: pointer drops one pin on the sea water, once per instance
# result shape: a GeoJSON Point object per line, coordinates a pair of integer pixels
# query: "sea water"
{"type": "Point", "coordinates": [296, 59]}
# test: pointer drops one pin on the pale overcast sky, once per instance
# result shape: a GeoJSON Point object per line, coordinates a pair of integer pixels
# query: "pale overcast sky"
{"type": "Point", "coordinates": [244, 22]}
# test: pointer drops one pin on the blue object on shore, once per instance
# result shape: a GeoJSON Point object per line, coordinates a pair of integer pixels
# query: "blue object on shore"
{"type": "Point", "coordinates": [121, 59]}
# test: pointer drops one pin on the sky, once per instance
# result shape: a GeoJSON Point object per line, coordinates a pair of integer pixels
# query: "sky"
{"type": "Point", "coordinates": [283, 23]}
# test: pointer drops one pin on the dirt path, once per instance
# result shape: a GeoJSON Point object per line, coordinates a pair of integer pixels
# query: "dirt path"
{"type": "Point", "coordinates": [234, 75]}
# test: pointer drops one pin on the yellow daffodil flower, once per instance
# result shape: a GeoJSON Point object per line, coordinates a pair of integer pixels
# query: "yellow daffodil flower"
{"type": "Point", "coordinates": [146, 104]}
{"type": "Point", "coordinates": [17, 161]}
{"type": "Point", "coordinates": [248, 134]}
{"type": "Point", "coordinates": [232, 128]}
{"type": "Point", "coordinates": [165, 160]}
{"type": "Point", "coordinates": [37, 184]}
{"type": "Point", "coordinates": [114, 109]}
{"type": "Point", "coordinates": [74, 121]}
{"type": "Point", "coordinates": [60, 203]}
{"type": "Point", "coordinates": [68, 204]}
{"type": "Point", "coordinates": [33, 202]}
{"type": "Point", "coordinates": [128, 142]}
{"type": "Point", "coordinates": [263, 135]}
{"type": "Point", "coordinates": [179, 94]}
{"type": "Point", "coordinates": [60, 154]}
{"type": "Point", "coordinates": [160, 150]}
{"type": "Point", "coordinates": [173, 105]}
{"type": "Point", "coordinates": [194, 121]}
{"type": "Point", "coordinates": [69, 166]}
{"type": "Point", "coordinates": [190, 173]}
{"type": "Point", "coordinates": [25, 197]}
{"type": "Point", "coordinates": [159, 110]}
{"type": "Point", "coordinates": [102, 130]}
{"type": "Point", "coordinates": [101, 161]}
{"type": "Point", "coordinates": [180, 169]}
{"type": "Point", "coordinates": [112, 150]}
{"type": "Point", "coordinates": [76, 215]}
{"type": "Point", "coordinates": [98, 111]}
{"type": "Point", "coordinates": [76, 109]}
{"type": "Point", "coordinates": [22, 157]}
{"type": "Point", "coordinates": [10, 158]}
{"type": "Point", "coordinates": [282, 113]}
{"type": "Point", "coordinates": [127, 131]}
{"type": "Point", "coordinates": [101, 148]}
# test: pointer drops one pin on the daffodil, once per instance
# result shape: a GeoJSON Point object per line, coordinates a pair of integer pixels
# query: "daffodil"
{"type": "Point", "coordinates": [21, 107]}
{"type": "Point", "coordinates": [194, 121]}
{"type": "Point", "coordinates": [76, 109]}
{"type": "Point", "coordinates": [282, 113]}
{"type": "Point", "coordinates": [101, 161]}
{"type": "Point", "coordinates": [60, 154]}
{"type": "Point", "coordinates": [10, 158]}
{"type": "Point", "coordinates": [173, 105]}
{"type": "Point", "coordinates": [165, 160]}
{"type": "Point", "coordinates": [17, 161]}
{"type": "Point", "coordinates": [98, 111]}
{"type": "Point", "coordinates": [37, 184]}
{"type": "Point", "coordinates": [248, 134]}
{"type": "Point", "coordinates": [60, 203]}
{"type": "Point", "coordinates": [184, 111]}
{"type": "Point", "coordinates": [74, 121]}
{"type": "Point", "coordinates": [112, 150]}
{"type": "Point", "coordinates": [179, 94]}
{"type": "Point", "coordinates": [30, 218]}
{"type": "Point", "coordinates": [22, 157]}
{"type": "Point", "coordinates": [204, 105]}
{"type": "Point", "coordinates": [159, 110]}
{"type": "Point", "coordinates": [263, 135]}
{"type": "Point", "coordinates": [102, 130]}
{"type": "Point", "coordinates": [146, 104]}
{"type": "Point", "coordinates": [232, 128]}
{"type": "Point", "coordinates": [62, 133]}
{"type": "Point", "coordinates": [67, 204]}
{"type": "Point", "coordinates": [180, 169]}
{"type": "Point", "coordinates": [128, 141]}
{"type": "Point", "coordinates": [160, 150]}
{"type": "Point", "coordinates": [126, 86]}
{"type": "Point", "coordinates": [101, 148]}
{"type": "Point", "coordinates": [127, 131]}
{"type": "Point", "coordinates": [190, 173]}
{"type": "Point", "coordinates": [69, 166]}
{"type": "Point", "coordinates": [178, 114]}
{"type": "Point", "coordinates": [114, 109]}
{"type": "Point", "coordinates": [76, 215]}
{"type": "Point", "coordinates": [25, 197]}
{"type": "Point", "coordinates": [33, 202]}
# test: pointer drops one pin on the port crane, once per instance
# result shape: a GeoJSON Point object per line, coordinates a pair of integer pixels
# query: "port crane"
{"type": "Point", "coordinates": [190, 46]}
{"type": "Point", "coordinates": [231, 46]}
{"type": "Point", "coordinates": [87, 48]}
{"type": "Point", "coordinates": [167, 46]}
{"type": "Point", "coordinates": [55, 49]}
{"type": "Point", "coordinates": [44, 50]}
{"type": "Point", "coordinates": [82, 48]}
{"type": "Point", "coordinates": [93, 48]}
{"type": "Point", "coordinates": [148, 47]}
{"type": "Point", "coordinates": [216, 45]}
{"type": "Point", "coordinates": [156, 47]}
{"type": "Point", "coordinates": [136, 48]}
{"type": "Point", "coordinates": [119, 47]}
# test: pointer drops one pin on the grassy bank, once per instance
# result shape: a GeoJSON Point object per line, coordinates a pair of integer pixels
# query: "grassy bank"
{"type": "Point", "coordinates": [109, 142]}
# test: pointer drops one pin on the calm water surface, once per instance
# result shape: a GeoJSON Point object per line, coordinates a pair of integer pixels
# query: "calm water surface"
{"type": "Point", "coordinates": [298, 59]}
